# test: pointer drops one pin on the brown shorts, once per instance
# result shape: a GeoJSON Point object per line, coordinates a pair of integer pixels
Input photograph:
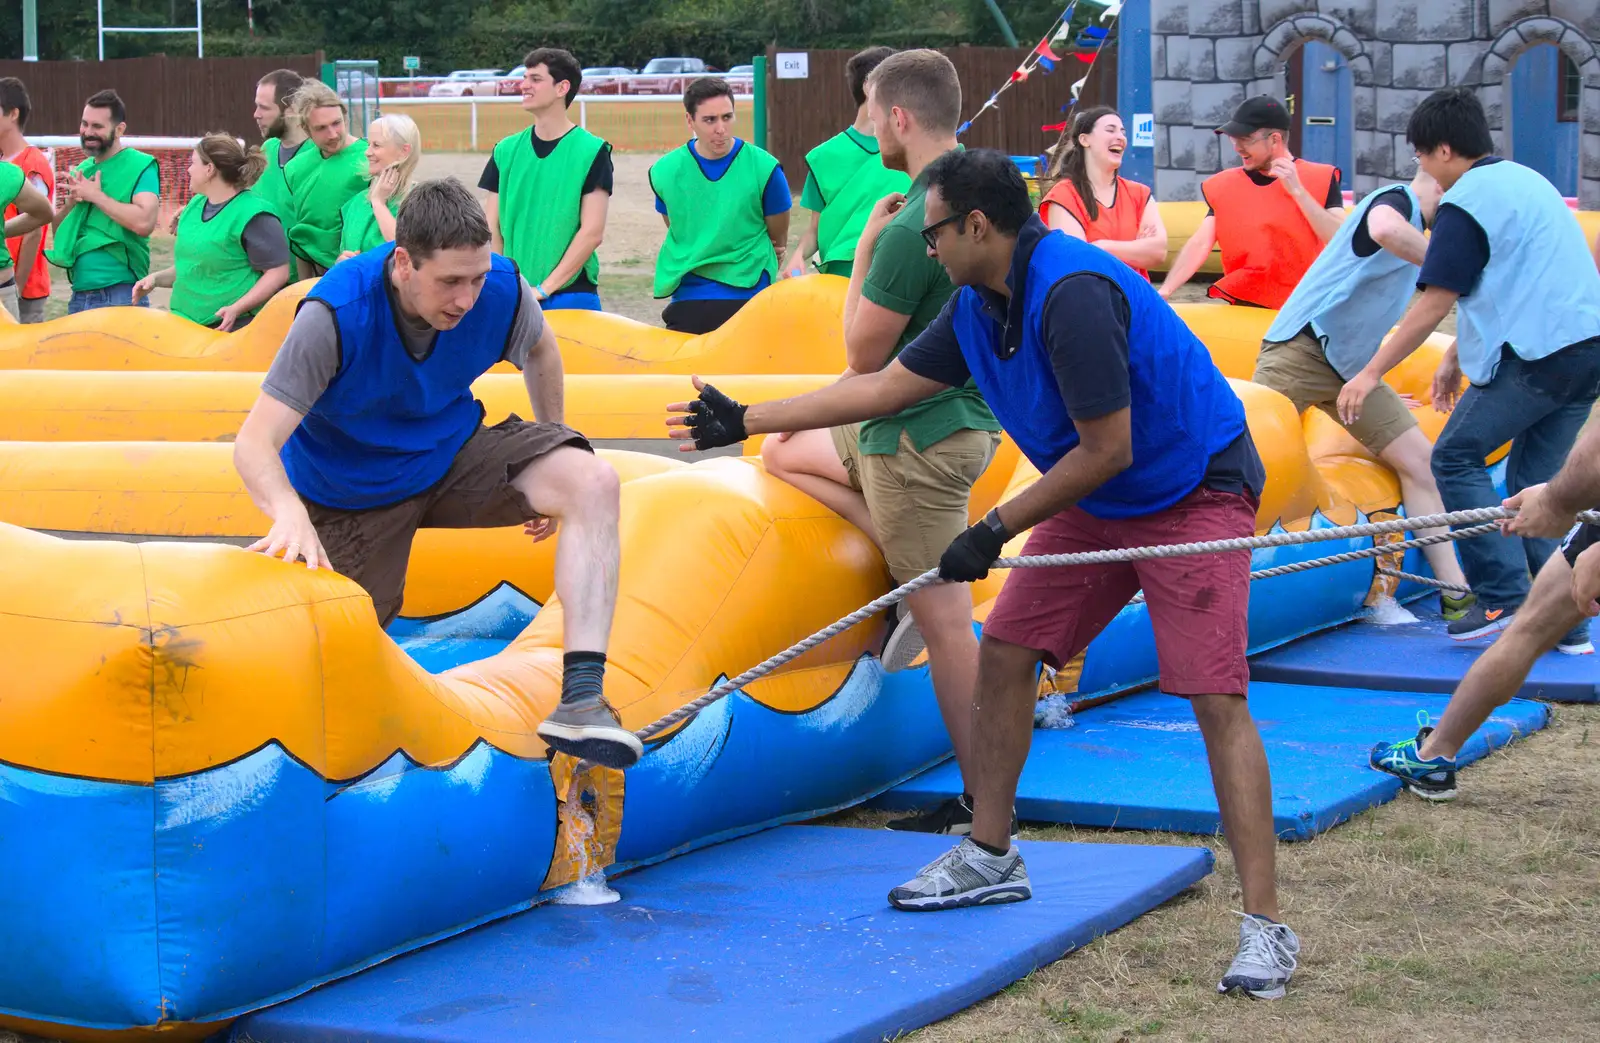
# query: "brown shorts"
{"type": "Point", "coordinates": [1299, 370]}
{"type": "Point", "coordinates": [917, 497]}
{"type": "Point", "coordinates": [373, 547]}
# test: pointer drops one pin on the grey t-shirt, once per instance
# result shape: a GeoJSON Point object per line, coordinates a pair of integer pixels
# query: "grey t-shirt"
{"type": "Point", "coordinates": [264, 242]}
{"type": "Point", "coordinates": [286, 154]}
{"type": "Point", "coordinates": [309, 358]}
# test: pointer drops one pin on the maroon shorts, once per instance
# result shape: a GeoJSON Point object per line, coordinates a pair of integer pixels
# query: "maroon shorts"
{"type": "Point", "coordinates": [1199, 604]}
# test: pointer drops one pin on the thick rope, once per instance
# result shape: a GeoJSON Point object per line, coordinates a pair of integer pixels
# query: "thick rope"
{"type": "Point", "coordinates": [1376, 551]}
{"type": "Point", "coordinates": [1426, 581]}
{"type": "Point", "coordinates": [1475, 517]}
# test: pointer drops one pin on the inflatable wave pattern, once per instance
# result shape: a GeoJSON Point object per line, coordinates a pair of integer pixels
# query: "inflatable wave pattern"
{"type": "Point", "coordinates": [223, 784]}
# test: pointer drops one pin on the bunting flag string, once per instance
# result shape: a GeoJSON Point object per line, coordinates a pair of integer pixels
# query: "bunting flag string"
{"type": "Point", "coordinates": [1047, 55]}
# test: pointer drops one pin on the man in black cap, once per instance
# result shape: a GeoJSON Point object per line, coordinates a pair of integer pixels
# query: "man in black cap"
{"type": "Point", "coordinates": [1271, 214]}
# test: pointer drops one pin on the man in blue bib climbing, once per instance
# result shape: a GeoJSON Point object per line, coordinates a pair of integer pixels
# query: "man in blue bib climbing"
{"type": "Point", "coordinates": [367, 430]}
{"type": "Point", "coordinates": [1139, 441]}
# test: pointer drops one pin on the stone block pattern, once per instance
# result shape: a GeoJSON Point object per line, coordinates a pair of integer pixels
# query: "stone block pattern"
{"type": "Point", "coordinates": [1208, 54]}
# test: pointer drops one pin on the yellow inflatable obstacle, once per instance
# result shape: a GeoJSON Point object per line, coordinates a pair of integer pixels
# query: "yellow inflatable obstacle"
{"type": "Point", "coordinates": [793, 327]}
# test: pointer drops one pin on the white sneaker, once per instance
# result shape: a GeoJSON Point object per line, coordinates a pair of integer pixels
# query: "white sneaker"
{"type": "Point", "coordinates": [904, 645]}
{"type": "Point", "coordinates": [966, 875]}
{"type": "Point", "coordinates": [1268, 955]}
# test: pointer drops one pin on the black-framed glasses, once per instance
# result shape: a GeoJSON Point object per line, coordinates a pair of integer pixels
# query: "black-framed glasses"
{"type": "Point", "coordinates": [930, 234]}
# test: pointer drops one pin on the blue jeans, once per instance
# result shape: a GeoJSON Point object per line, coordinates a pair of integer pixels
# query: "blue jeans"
{"type": "Point", "coordinates": [118, 296]}
{"type": "Point", "coordinates": [1538, 407]}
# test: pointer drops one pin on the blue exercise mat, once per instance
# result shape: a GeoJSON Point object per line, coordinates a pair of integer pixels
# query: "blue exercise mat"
{"type": "Point", "coordinates": [786, 935]}
{"type": "Point", "coordinates": [1415, 657]}
{"type": "Point", "coordinates": [1139, 762]}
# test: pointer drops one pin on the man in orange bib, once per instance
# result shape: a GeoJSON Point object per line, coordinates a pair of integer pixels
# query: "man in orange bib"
{"type": "Point", "coordinates": [1271, 214]}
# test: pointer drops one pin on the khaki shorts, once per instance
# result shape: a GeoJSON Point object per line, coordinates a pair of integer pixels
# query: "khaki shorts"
{"type": "Point", "coordinates": [1298, 369]}
{"type": "Point", "coordinates": [917, 499]}
{"type": "Point", "coordinates": [373, 547]}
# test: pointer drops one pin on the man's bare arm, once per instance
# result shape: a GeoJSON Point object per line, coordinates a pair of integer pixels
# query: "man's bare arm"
{"type": "Point", "coordinates": [1397, 235]}
{"type": "Point", "coordinates": [1104, 450]}
{"type": "Point", "coordinates": [543, 376]}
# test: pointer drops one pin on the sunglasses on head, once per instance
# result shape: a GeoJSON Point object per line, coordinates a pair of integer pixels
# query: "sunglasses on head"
{"type": "Point", "coordinates": [930, 234]}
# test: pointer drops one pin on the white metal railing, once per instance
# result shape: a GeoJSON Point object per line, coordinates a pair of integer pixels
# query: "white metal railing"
{"type": "Point", "coordinates": [53, 141]}
{"type": "Point", "coordinates": [581, 103]}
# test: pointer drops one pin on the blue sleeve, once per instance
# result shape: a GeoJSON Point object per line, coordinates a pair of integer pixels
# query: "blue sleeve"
{"type": "Point", "coordinates": [149, 181]}
{"type": "Point", "coordinates": [935, 353]}
{"type": "Point", "coordinates": [1086, 335]}
{"type": "Point", "coordinates": [661, 206]}
{"type": "Point", "coordinates": [776, 199]}
{"type": "Point", "coordinates": [1457, 253]}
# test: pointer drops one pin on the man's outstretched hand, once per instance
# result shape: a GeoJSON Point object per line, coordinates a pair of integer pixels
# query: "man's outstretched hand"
{"type": "Point", "coordinates": [711, 421]}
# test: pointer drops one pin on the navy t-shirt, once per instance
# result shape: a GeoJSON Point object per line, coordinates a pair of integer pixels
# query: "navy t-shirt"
{"type": "Point", "coordinates": [1085, 322]}
{"type": "Point", "coordinates": [1458, 252]}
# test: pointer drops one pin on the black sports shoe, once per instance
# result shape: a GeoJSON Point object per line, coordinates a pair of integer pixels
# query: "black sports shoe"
{"type": "Point", "coordinates": [1480, 621]}
{"type": "Point", "coordinates": [952, 817]}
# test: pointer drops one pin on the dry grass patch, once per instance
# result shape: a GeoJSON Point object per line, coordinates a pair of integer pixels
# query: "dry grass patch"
{"type": "Point", "coordinates": [1477, 920]}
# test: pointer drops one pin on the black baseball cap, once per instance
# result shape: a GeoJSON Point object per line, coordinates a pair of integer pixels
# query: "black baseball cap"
{"type": "Point", "coordinates": [1262, 112]}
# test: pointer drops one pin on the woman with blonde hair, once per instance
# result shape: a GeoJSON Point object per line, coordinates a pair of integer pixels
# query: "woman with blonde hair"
{"type": "Point", "coordinates": [1089, 200]}
{"type": "Point", "coordinates": [394, 146]}
{"type": "Point", "coordinates": [322, 179]}
{"type": "Point", "coordinates": [231, 254]}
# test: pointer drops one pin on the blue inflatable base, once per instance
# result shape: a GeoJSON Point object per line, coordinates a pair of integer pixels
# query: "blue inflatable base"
{"type": "Point", "coordinates": [1415, 657]}
{"type": "Point", "coordinates": [1139, 762]}
{"type": "Point", "coordinates": [784, 935]}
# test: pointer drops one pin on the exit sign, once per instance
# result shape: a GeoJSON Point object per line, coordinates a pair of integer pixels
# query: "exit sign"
{"type": "Point", "coordinates": [412, 62]}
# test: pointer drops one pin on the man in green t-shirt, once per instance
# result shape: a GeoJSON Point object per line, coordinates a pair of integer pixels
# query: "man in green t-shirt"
{"type": "Point", "coordinates": [906, 480]}
{"type": "Point", "coordinates": [282, 138]}
{"type": "Point", "coordinates": [33, 212]}
{"type": "Point", "coordinates": [556, 178]}
{"type": "Point", "coordinates": [726, 205]}
{"type": "Point", "coordinates": [844, 178]}
{"type": "Point", "coordinates": [107, 208]}
{"type": "Point", "coordinates": [323, 178]}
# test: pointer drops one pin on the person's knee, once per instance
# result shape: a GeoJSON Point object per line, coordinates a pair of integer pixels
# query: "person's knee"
{"type": "Point", "coordinates": [1219, 712]}
{"type": "Point", "coordinates": [576, 482]}
{"type": "Point", "coordinates": [999, 661]}
{"type": "Point", "coordinates": [777, 455]}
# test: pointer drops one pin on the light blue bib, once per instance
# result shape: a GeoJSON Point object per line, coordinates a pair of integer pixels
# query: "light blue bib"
{"type": "Point", "coordinates": [1540, 291]}
{"type": "Point", "coordinates": [1351, 302]}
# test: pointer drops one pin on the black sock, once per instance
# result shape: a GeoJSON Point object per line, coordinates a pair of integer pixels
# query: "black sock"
{"type": "Point", "coordinates": [998, 852]}
{"type": "Point", "coordinates": [583, 675]}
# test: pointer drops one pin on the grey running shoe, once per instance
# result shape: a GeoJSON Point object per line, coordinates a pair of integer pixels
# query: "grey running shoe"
{"type": "Point", "coordinates": [589, 729]}
{"type": "Point", "coordinates": [904, 644]}
{"type": "Point", "coordinates": [1268, 955]}
{"type": "Point", "coordinates": [966, 875]}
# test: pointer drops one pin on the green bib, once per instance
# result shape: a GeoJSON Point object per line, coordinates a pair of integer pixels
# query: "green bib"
{"type": "Point", "coordinates": [86, 227]}
{"type": "Point", "coordinates": [851, 178]}
{"type": "Point", "coordinates": [320, 188]}
{"type": "Point", "coordinates": [213, 270]}
{"type": "Point", "coordinates": [272, 187]}
{"type": "Point", "coordinates": [358, 226]}
{"type": "Point", "coordinates": [12, 179]}
{"type": "Point", "coordinates": [541, 202]}
{"type": "Point", "coordinates": [716, 229]}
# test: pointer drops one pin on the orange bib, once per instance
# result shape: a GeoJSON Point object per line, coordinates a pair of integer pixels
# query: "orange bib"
{"type": "Point", "coordinates": [1119, 221]}
{"type": "Point", "coordinates": [1267, 242]}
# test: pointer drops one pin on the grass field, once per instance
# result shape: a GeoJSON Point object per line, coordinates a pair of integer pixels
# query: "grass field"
{"type": "Point", "coordinates": [1473, 921]}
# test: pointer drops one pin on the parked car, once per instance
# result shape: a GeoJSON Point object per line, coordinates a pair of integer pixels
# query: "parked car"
{"type": "Point", "coordinates": [461, 82]}
{"type": "Point", "coordinates": [742, 78]}
{"type": "Point", "coordinates": [510, 84]}
{"type": "Point", "coordinates": [605, 79]}
{"type": "Point", "coordinates": [666, 76]}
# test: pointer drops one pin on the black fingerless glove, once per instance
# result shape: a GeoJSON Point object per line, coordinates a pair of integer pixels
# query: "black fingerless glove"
{"type": "Point", "coordinates": [715, 420]}
{"type": "Point", "coordinates": [969, 555]}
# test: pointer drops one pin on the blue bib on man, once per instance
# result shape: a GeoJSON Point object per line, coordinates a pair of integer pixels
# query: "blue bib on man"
{"type": "Point", "coordinates": [1182, 410]}
{"type": "Point", "coordinates": [390, 425]}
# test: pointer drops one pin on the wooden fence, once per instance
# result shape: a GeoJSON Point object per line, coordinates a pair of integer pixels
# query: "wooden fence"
{"type": "Point", "coordinates": [803, 113]}
{"type": "Point", "coordinates": [165, 97]}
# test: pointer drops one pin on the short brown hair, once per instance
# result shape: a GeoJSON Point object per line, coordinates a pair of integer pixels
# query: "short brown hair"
{"type": "Point", "coordinates": [859, 67]}
{"type": "Point", "coordinates": [111, 101]}
{"type": "Point", "coordinates": [239, 165]}
{"type": "Point", "coordinates": [440, 215]}
{"type": "Point", "coordinates": [923, 83]}
{"type": "Point", "coordinates": [702, 90]}
{"type": "Point", "coordinates": [284, 83]}
{"type": "Point", "coordinates": [561, 65]}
